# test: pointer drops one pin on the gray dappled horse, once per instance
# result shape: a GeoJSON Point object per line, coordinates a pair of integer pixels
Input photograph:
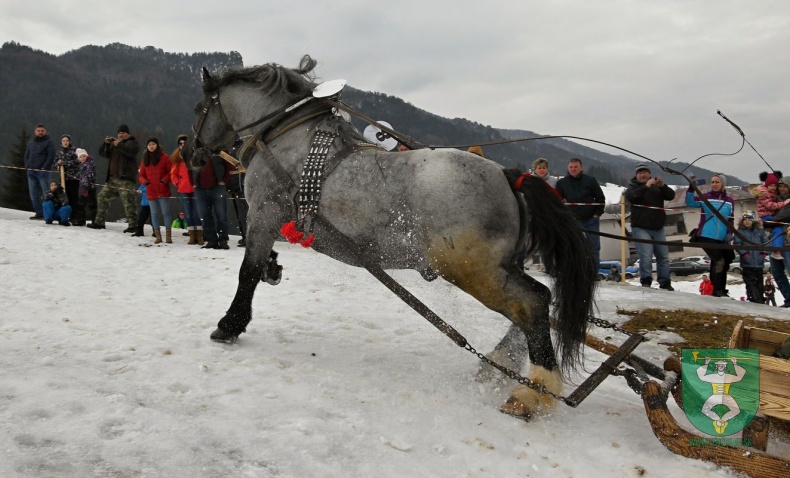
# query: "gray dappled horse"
{"type": "Point", "coordinates": [441, 212]}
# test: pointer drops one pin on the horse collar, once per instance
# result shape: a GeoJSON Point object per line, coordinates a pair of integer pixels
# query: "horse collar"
{"type": "Point", "coordinates": [312, 178]}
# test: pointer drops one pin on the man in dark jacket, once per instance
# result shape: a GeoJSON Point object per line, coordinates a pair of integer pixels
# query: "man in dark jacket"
{"type": "Point", "coordinates": [39, 158]}
{"type": "Point", "coordinates": [647, 195]}
{"type": "Point", "coordinates": [210, 182]}
{"type": "Point", "coordinates": [122, 153]}
{"type": "Point", "coordinates": [578, 187]}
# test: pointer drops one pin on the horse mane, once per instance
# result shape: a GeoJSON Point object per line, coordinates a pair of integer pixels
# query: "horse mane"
{"type": "Point", "coordinates": [271, 77]}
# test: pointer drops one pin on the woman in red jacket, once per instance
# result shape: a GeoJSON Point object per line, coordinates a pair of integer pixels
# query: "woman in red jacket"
{"type": "Point", "coordinates": [182, 180]}
{"type": "Point", "coordinates": [155, 175]}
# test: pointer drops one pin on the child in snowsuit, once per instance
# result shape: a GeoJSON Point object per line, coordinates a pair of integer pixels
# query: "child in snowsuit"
{"type": "Point", "coordinates": [752, 262]}
{"type": "Point", "coordinates": [768, 204]}
{"type": "Point", "coordinates": [143, 214]}
{"type": "Point", "coordinates": [179, 222]}
{"type": "Point", "coordinates": [86, 204]}
{"type": "Point", "coordinates": [56, 205]}
{"type": "Point", "coordinates": [706, 286]}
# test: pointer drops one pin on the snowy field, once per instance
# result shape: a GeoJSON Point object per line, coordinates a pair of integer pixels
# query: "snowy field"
{"type": "Point", "coordinates": [106, 370]}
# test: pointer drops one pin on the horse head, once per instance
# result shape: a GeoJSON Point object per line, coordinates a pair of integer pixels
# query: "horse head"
{"type": "Point", "coordinates": [237, 101]}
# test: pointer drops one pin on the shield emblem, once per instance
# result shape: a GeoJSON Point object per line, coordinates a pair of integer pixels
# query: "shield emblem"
{"type": "Point", "coordinates": [721, 389]}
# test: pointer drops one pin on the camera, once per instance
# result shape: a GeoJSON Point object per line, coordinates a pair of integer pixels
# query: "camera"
{"type": "Point", "coordinates": [109, 138]}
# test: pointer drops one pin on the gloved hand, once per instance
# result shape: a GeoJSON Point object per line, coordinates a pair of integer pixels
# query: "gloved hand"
{"type": "Point", "coordinates": [84, 193]}
{"type": "Point", "coordinates": [728, 239]}
{"type": "Point", "coordinates": [763, 255]}
{"type": "Point", "coordinates": [746, 256]}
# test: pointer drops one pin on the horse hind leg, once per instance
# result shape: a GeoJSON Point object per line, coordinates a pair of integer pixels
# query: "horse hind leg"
{"type": "Point", "coordinates": [525, 302]}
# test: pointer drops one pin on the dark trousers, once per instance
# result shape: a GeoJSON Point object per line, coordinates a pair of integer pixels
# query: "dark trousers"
{"type": "Point", "coordinates": [755, 287]}
{"type": "Point", "coordinates": [86, 208]}
{"type": "Point", "coordinates": [213, 207]}
{"type": "Point", "coordinates": [778, 269]}
{"type": "Point", "coordinates": [72, 188]}
{"type": "Point", "coordinates": [143, 215]}
{"type": "Point", "coordinates": [720, 260]}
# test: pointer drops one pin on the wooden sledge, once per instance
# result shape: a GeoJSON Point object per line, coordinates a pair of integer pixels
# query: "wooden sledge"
{"type": "Point", "coordinates": [774, 411]}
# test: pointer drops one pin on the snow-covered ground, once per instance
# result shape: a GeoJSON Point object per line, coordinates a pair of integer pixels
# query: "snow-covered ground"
{"type": "Point", "coordinates": [106, 370]}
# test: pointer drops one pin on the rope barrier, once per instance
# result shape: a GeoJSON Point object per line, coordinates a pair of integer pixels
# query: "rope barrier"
{"type": "Point", "coordinates": [97, 185]}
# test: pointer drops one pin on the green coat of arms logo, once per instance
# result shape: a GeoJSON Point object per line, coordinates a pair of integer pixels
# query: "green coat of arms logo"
{"type": "Point", "coordinates": [721, 389]}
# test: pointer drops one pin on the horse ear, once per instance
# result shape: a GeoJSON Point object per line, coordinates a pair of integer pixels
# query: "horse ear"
{"type": "Point", "coordinates": [206, 75]}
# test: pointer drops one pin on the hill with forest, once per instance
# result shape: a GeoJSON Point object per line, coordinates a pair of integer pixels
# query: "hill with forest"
{"type": "Point", "coordinates": [89, 91]}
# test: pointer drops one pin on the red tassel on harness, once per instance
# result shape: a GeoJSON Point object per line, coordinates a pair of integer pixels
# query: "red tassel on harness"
{"type": "Point", "coordinates": [290, 233]}
{"type": "Point", "coordinates": [309, 241]}
{"type": "Point", "coordinates": [293, 236]}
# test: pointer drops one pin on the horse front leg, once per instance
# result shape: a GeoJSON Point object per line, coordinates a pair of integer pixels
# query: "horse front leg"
{"type": "Point", "coordinates": [260, 263]}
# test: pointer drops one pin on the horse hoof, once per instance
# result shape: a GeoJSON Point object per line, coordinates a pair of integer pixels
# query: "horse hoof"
{"type": "Point", "coordinates": [515, 408]}
{"type": "Point", "coordinates": [220, 335]}
{"type": "Point", "coordinates": [273, 273]}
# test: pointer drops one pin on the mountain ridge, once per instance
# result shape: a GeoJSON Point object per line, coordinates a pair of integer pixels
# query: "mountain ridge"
{"type": "Point", "coordinates": [88, 91]}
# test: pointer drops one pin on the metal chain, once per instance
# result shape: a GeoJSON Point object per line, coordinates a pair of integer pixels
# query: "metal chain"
{"type": "Point", "coordinates": [605, 324]}
{"type": "Point", "coordinates": [540, 388]}
{"type": "Point", "coordinates": [631, 376]}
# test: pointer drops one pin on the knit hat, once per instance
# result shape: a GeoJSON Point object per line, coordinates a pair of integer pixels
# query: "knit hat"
{"type": "Point", "coordinates": [476, 150]}
{"type": "Point", "coordinates": [81, 152]}
{"type": "Point", "coordinates": [123, 129]}
{"type": "Point", "coordinates": [785, 180]}
{"type": "Point", "coordinates": [748, 215]}
{"type": "Point", "coordinates": [722, 178]}
{"type": "Point", "coordinates": [641, 167]}
{"type": "Point", "coordinates": [153, 140]}
{"type": "Point", "coordinates": [771, 179]}
{"type": "Point", "coordinates": [66, 136]}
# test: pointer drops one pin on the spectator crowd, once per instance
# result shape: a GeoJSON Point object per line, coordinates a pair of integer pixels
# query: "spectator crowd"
{"type": "Point", "coordinates": [141, 177]}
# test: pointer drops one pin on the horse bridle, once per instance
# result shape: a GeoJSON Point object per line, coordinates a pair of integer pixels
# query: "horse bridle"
{"type": "Point", "coordinates": [273, 118]}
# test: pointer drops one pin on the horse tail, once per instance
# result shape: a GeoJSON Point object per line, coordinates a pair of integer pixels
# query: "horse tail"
{"type": "Point", "coordinates": [557, 237]}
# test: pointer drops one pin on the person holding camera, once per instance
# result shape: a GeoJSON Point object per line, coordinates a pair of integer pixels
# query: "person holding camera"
{"type": "Point", "coordinates": [121, 180]}
{"type": "Point", "coordinates": [647, 195]}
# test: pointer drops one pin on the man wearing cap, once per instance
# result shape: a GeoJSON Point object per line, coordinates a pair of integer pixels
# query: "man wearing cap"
{"type": "Point", "coordinates": [644, 193]}
{"type": "Point", "coordinates": [122, 153]}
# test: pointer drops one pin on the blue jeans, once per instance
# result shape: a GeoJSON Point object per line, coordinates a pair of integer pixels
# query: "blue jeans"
{"type": "Point", "coordinates": [593, 224]}
{"type": "Point", "coordinates": [37, 184]}
{"type": "Point", "coordinates": [646, 252]}
{"type": "Point", "coordinates": [213, 207]}
{"type": "Point", "coordinates": [191, 212]}
{"type": "Point", "coordinates": [50, 213]}
{"type": "Point", "coordinates": [160, 210]}
{"type": "Point", "coordinates": [778, 269]}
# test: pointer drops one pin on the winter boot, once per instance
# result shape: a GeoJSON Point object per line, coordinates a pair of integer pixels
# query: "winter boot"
{"type": "Point", "coordinates": [168, 236]}
{"type": "Point", "coordinates": [192, 236]}
{"type": "Point", "coordinates": [199, 237]}
{"type": "Point", "coordinates": [158, 236]}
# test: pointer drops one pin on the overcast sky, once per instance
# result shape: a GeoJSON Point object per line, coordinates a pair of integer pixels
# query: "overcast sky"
{"type": "Point", "coordinates": [647, 76]}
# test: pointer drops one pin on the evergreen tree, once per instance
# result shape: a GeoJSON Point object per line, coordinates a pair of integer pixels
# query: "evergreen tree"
{"type": "Point", "coordinates": [15, 194]}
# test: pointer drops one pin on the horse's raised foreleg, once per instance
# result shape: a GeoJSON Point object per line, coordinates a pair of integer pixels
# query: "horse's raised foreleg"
{"type": "Point", "coordinates": [253, 269]}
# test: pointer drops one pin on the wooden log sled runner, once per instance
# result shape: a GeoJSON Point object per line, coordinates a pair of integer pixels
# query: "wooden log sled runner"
{"type": "Point", "coordinates": [774, 411]}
